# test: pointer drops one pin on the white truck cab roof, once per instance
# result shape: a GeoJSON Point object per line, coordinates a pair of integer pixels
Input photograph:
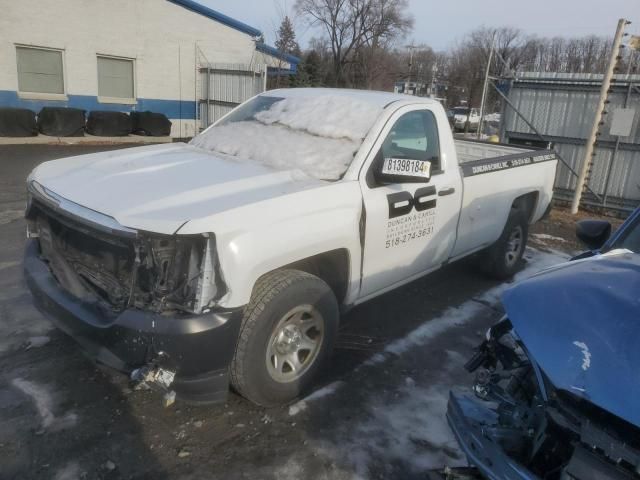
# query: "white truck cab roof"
{"type": "Point", "coordinates": [378, 98]}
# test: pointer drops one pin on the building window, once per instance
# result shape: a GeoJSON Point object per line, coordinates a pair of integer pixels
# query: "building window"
{"type": "Point", "coordinates": [115, 78]}
{"type": "Point", "coordinates": [40, 70]}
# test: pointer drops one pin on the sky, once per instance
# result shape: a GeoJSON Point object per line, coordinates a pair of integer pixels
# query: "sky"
{"type": "Point", "coordinates": [440, 24]}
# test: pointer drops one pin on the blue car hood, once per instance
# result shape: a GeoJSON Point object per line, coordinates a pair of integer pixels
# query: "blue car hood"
{"type": "Point", "coordinates": [581, 323]}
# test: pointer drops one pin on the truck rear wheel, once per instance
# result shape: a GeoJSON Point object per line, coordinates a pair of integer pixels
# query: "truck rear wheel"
{"type": "Point", "coordinates": [286, 336]}
{"type": "Point", "coordinates": [502, 259]}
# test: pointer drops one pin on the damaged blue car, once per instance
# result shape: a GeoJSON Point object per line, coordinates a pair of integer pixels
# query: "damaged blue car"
{"type": "Point", "coordinates": [557, 387]}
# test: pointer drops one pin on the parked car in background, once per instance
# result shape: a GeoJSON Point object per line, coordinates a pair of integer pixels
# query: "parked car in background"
{"type": "Point", "coordinates": [558, 378]}
{"type": "Point", "coordinates": [462, 115]}
{"type": "Point", "coordinates": [229, 259]}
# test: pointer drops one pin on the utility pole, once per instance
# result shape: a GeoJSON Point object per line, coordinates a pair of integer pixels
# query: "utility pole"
{"type": "Point", "coordinates": [484, 90]}
{"type": "Point", "coordinates": [411, 48]}
{"type": "Point", "coordinates": [434, 73]}
{"type": "Point", "coordinates": [598, 122]}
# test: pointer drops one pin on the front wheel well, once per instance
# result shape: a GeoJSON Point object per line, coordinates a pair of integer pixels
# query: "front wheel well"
{"type": "Point", "coordinates": [332, 267]}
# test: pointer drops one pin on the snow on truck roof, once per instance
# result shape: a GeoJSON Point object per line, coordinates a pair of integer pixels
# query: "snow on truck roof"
{"type": "Point", "coordinates": [314, 130]}
{"type": "Point", "coordinates": [378, 98]}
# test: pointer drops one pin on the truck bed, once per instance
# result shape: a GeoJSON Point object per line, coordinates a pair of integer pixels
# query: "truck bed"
{"type": "Point", "coordinates": [476, 157]}
{"type": "Point", "coordinates": [469, 150]}
{"type": "Point", "coordinates": [492, 172]}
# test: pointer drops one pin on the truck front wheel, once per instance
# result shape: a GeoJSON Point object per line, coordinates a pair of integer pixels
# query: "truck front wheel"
{"type": "Point", "coordinates": [502, 259]}
{"type": "Point", "coordinates": [286, 336]}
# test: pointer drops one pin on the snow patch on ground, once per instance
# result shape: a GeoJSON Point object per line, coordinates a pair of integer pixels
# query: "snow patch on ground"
{"type": "Point", "coordinates": [301, 405]}
{"type": "Point", "coordinates": [412, 429]}
{"type": "Point", "coordinates": [44, 403]}
{"type": "Point", "coordinates": [296, 408]}
{"type": "Point", "coordinates": [8, 216]}
{"type": "Point", "coordinates": [71, 471]}
{"type": "Point", "coordinates": [37, 342]}
{"type": "Point", "coordinates": [545, 236]}
{"type": "Point", "coordinates": [291, 470]}
{"type": "Point", "coordinates": [5, 265]}
{"type": "Point", "coordinates": [462, 314]}
{"type": "Point", "coordinates": [317, 135]}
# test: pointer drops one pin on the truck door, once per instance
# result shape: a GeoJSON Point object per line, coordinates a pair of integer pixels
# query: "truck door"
{"type": "Point", "coordinates": [410, 227]}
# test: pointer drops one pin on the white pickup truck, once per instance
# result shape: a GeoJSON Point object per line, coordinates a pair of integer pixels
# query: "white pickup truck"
{"type": "Point", "coordinates": [229, 259]}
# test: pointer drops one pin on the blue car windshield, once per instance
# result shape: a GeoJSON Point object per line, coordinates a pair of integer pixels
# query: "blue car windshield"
{"type": "Point", "coordinates": [630, 238]}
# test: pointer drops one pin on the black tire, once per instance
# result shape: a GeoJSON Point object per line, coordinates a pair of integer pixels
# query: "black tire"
{"type": "Point", "coordinates": [274, 296]}
{"type": "Point", "coordinates": [502, 259]}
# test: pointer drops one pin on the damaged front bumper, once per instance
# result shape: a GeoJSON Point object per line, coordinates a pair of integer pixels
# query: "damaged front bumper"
{"type": "Point", "coordinates": [515, 424]}
{"type": "Point", "coordinates": [198, 348]}
{"type": "Point", "coordinates": [474, 425]}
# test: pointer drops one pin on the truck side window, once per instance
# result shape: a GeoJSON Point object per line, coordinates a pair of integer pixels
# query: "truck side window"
{"type": "Point", "coordinates": [414, 136]}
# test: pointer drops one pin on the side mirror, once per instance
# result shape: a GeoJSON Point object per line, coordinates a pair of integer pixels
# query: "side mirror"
{"type": "Point", "coordinates": [593, 233]}
{"type": "Point", "coordinates": [401, 170]}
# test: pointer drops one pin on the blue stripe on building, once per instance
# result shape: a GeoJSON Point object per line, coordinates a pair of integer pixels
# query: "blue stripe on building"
{"type": "Point", "coordinates": [217, 16]}
{"type": "Point", "coordinates": [274, 52]}
{"type": "Point", "coordinates": [176, 109]}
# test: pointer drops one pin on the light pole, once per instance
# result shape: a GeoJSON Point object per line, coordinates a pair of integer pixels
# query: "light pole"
{"type": "Point", "coordinates": [411, 48]}
{"type": "Point", "coordinates": [484, 90]}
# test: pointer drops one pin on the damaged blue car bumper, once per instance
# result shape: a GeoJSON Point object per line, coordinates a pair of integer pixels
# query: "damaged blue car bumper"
{"type": "Point", "coordinates": [474, 426]}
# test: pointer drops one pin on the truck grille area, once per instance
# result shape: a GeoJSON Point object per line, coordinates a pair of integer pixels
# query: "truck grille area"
{"type": "Point", "coordinates": [86, 265]}
{"type": "Point", "coordinates": [159, 273]}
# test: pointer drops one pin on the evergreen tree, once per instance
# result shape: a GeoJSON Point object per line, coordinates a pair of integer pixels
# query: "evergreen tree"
{"type": "Point", "coordinates": [286, 41]}
{"type": "Point", "coordinates": [286, 45]}
{"type": "Point", "coordinates": [311, 68]}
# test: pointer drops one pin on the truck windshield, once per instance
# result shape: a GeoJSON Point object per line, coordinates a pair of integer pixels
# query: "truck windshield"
{"type": "Point", "coordinates": [249, 110]}
{"type": "Point", "coordinates": [316, 134]}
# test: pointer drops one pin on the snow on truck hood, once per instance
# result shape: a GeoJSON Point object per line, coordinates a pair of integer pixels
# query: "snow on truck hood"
{"type": "Point", "coordinates": [299, 138]}
{"type": "Point", "coordinates": [318, 134]}
{"type": "Point", "coordinates": [159, 188]}
{"type": "Point", "coordinates": [581, 324]}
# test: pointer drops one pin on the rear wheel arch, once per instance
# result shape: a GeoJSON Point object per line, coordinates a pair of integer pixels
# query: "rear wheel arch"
{"type": "Point", "coordinates": [501, 260]}
{"type": "Point", "coordinates": [527, 204]}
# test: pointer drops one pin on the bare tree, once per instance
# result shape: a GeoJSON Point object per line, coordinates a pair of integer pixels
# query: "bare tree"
{"type": "Point", "coordinates": [352, 24]}
{"type": "Point", "coordinates": [572, 55]}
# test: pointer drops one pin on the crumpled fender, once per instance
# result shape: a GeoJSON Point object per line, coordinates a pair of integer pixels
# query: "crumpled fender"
{"type": "Point", "coordinates": [581, 323]}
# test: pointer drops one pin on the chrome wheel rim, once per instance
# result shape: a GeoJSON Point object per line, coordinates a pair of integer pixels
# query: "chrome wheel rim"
{"type": "Point", "coordinates": [514, 246]}
{"type": "Point", "coordinates": [295, 343]}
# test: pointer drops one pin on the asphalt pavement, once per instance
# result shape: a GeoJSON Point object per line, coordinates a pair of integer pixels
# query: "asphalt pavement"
{"type": "Point", "coordinates": [377, 412]}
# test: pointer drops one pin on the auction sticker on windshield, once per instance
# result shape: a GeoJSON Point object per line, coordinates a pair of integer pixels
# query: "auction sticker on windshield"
{"type": "Point", "coordinates": [407, 167]}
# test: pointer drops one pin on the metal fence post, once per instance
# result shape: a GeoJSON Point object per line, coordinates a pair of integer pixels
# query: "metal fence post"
{"type": "Point", "coordinates": [600, 110]}
{"type": "Point", "coordinates": [208, 93]}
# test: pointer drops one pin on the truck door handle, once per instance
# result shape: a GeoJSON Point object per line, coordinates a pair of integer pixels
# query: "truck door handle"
{"type": "Point", "coordinates": [446, 191]}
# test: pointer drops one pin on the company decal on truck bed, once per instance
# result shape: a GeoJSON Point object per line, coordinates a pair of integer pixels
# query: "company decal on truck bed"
{"type": "Point", "coordinates": [479, 167]}
{"type": "Point", "coordinates": [411, 217]}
